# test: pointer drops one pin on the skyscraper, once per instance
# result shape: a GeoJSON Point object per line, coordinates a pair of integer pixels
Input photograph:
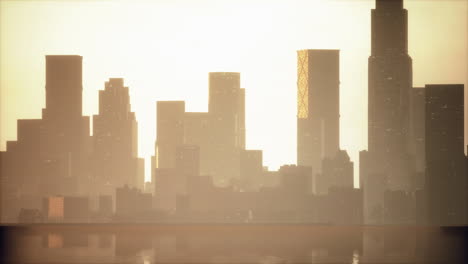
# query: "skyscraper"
{"type": "Point", "coordinates": [170, 132]}
{"type": "Point", "coordinates": [63, 87]}
{"type": "Point", "coordinates": [226, 108]}
{"type": "Point", "coordinates": [50, 155]}
{"type": "Point", "coordinates": [446, 173]}
{"type": "Point", "coordinates": [115, 138]}
{"type": "Point", "coordinates": [65, 140]}
{"type": "Point", "coordinates": [318, 106]}
{"type": "Point", "coordinates": [389, 92]}
{"type": "Point", "coordinates": [390, 81]}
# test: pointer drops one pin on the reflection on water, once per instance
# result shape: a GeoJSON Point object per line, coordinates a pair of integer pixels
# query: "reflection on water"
{"type": "Point", "coordinates": [234, 244]}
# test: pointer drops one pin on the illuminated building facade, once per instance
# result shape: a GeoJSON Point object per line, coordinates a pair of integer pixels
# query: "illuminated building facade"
{"type": "Point", "coordinates": [318, 106]}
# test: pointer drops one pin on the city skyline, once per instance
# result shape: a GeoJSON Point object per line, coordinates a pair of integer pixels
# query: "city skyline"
{"type": "Point", "coordinates": [376, 119]}
{"type": "Point", "coordinates": [260, 116]}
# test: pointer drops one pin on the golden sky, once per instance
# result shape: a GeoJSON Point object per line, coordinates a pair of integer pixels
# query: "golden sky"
{"type": "Point", "coordinates": [165, 49]}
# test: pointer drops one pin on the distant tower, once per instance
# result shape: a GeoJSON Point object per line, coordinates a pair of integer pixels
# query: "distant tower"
{"type": "Point", "coordinates": [318, 106]}
{"type": "Point", "coordinates": [226, 109]}
{"type": "Point", "coordinates": [65, 132]}
{"type": "Point", "coordinates": [446, 173]}
{"type": "Point", "coordinates": [226, 105]}
{"type": "Point", "coordinates": [50, 155]}
{"type": "Point", "coordinates": [63, 87]}
{"type": "Point", "coordinates": [170, 132]}
{"type": "Point", "coordinates": [115, 133]}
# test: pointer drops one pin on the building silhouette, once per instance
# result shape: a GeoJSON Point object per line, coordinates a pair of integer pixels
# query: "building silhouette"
{"type": "Point", "coordinates": [446, 175]}
{"type": "Point", "coordinates": [251, 169]}
{"type": "Point", "coordinates": [50, 155]}
{"type": "Point", "coordinates": [170, 132]}
{"type": "Point", "coordinates": [219, 133]}
{"type": "Point", "coordinates": [389, 93]}
{"type": "Point", "coordinates": [318, 106]}
{"type": "Point", "coordinates": [418, 136]}
{"type": "Point", "coordinates": [336, 172]}
{"type": "Point", "coordinates": [417, 127]}
{"type": "Point", "coordinates": [115, 141]}
{"type": "Point", "coordinates": [226, 104]}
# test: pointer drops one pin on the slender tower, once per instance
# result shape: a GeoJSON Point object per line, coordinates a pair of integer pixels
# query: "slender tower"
{"type": "Point", "coordinates": [390, 82]}
{"type": "Point", "coordinates": [318, 106]}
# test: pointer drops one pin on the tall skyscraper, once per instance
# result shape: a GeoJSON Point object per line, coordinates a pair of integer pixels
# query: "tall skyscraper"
{"type": "Point", "coordinates": [226, 105]}
{"type": "Point", "coordinates": [198, 131]}
{"type": "Point", "coordinates": [63, 87]}
{"type": "Point", "coordinates": [170, 132]}
{"type": "Point", "coordinates": [65, 132]}
{"type": "Point", "coordinates": [318, 106]}
{"type": "Point", "coordinates": [226, 108]}
{"type": "Point", "coordinates": [390, 82]}
{"type": "Point", "coordinates": [115, 137]}
{"type": "Point", "coordinates": [389, 154]}
{"type": "Point", "coordinates": [446, 173]}
{"type": "Point", "coordinates": [51, 154]}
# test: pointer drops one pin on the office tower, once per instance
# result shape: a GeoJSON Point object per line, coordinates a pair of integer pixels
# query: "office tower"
{"type": "Point", "coordinates": [51, 154]}
{"type": "Point", "coordinates": [226, 103]}
{"type": "Point", "coordinates": [115, 138]}
{"type": "Point", "coordinates": [390, 82]}
{"type": "Point", "coordinates": [198, 132]}
{"type": "Point", "coordinates": [251, 169]}
{"type": "Point", "coordinates": [318, 106]}
{"type": "Point", "coordinates": [446, 173]}
{"type": "Point", "coordinates": [417, 127]}
{"type": "Point", "coordinates": [389, 92]}
{"type": "Point", "coordinates": [188, 160]}
{"type": "Point", "coordinates": [63, 87]}
{"type": "Point", "coordinates": [336, 172]}
{"type": "Point", "coordinates": [170, 132]}
{"type": "Point", "coordinates": [65, 134]}
{"type": "Point", "coordinates": [417, 136]}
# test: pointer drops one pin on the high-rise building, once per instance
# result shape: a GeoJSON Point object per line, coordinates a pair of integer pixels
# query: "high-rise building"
{"type": "Point", "coordinates": [318, 106]}
{"type": "Point", "coordinates": [251, 169]}
{"type": "Point", "coordinates": [417, 127]}
{"type": "Point", "coordinates": [390, 83]}
{"type": "Point", "coordinates": [63, 87]}
{"type": "Point", "coordinates": [198, 132]}
{"type": "Point", "coordinates": [65, 132]}
{"type": "Point", "coordinates": [115, 136]}
{"type": "Point", "coordinates": [188, 160]}
{"type": "Point", "coordinates": [389, 154]}
{"type": "Point", "coordinates": [170, 132]}
{"type": "Point", "coordinates": [226, 108]}
{"type": "Point", "coordinates": [51, 154]}
{"type": "Point", "coordinates": [446, 173]}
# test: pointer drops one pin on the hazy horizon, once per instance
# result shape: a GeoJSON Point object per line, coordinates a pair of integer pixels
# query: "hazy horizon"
{"type": "Point", "coordinates": [165, 49]}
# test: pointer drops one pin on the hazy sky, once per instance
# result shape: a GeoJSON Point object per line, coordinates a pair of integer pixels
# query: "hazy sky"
{"type": "Point", "coordinates": [165, 49]}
